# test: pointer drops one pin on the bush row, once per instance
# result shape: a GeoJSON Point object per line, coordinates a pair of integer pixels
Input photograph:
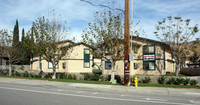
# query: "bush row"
{"type": "Point", "coordinates": [98, 77]}
{"type": "Point", "coordinates": [49, 75]}
{"type": "Point", "coordinates": [92, 77]}
{"type": "Point", "coordinates": [170, 81]}
{"type": "Point", "coordinates": [66, 76]}
{"type": "Point", "coordinates": [177, 81]}
{"type": "Point", "coordinates": [143, 80]}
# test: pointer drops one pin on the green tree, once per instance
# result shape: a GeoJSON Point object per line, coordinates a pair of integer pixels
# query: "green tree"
{"type": "Point", "coordinates": [175, 32]}
{"type": "Point", "coordinates": [23, 36]}
{"type": "Point", "coordinates": [25, 53]}
{"type": "Point", "coordinates": [106, 35]}
{"type": "Point", "coordinates": [48, 32]}
{"type": "Point", "coordinates": [15, 42]}
{"type": "Point", "coordinates": [194, 58]}
{"type": "Point", "coordinates": [30, 45]}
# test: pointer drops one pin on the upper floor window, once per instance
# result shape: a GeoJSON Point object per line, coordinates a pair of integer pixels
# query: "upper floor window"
{"type": "Point", "coordinates": [149, 57]}
{"type": "Point", "coordinates": [149, 49]}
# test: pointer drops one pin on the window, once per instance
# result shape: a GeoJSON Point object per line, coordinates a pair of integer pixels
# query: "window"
{"type": "Point", "coordinates": [148, 49]}
{"type": "Point", "coordinates": [108, 65]}
{"type": "Point", "coordinates": [149, 57]}
{"type": "Point", "coordinates": [86, 58]}
{"type": "Point", "coordinates": [149, 65]}
{"type": "Point", "coordinates": [64, 65]}
{"type": "Point", "coordinates": [50, 66]}
{"type": "Point", "coordinates": [135, 65]}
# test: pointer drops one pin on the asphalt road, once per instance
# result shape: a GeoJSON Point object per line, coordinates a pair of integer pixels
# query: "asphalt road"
{"type": "Point", "coordinates": [15, 94]}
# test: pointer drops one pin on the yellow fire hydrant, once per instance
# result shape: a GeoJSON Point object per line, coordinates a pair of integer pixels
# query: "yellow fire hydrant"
{"type": "Point", "coordinates": [136, 81]}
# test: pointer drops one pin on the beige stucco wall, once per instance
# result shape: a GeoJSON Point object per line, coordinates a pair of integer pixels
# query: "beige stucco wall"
{"type": "Point", "coordinates": [74, 62]}
{"type": "Point", "coordinates": [138, 58]}
{"type": "Point", "coordinates": [35, 65]}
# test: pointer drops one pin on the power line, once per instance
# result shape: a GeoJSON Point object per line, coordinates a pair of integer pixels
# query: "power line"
{"type": "Point", "coordinates": [100, 5]}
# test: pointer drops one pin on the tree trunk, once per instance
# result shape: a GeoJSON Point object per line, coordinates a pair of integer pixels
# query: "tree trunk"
{"type": "Point", "coordinates": [31, 62]}
{"type": "Point", "coordinates": [178, 62]}
{"type": "Point", "coordinates": [10, 69]}
{"type": "Point", "coordinates": [177, 68]}
{"type": "Point", "coordinates": [113, 81]}
{"type": "Point", "coordinates": [54, 72]}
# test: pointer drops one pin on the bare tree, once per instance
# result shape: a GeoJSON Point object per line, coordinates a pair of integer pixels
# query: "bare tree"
{"type": "Point", "coordinates": [175, 32]}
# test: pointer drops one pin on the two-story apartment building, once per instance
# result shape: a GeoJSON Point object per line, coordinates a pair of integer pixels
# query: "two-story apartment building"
{"type": "Point", "coordinates": [79, 60]}
{"type": "Point", "coordinates": [150, 58]}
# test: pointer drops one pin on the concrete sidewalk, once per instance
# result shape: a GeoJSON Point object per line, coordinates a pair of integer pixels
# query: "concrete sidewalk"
{"type": "Point", "coordinates": [129, 89]}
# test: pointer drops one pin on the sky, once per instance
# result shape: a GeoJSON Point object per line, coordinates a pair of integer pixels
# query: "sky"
{"type": "Point", "coordinates": [78, 14]}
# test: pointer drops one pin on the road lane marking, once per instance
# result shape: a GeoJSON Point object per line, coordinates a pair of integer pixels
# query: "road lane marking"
{"type": "Point", "coordinates": [194, 102]}
{"type": "Point", "coordinates": [156, 99]}
{"type": "Point", "coordinates": [79, 92]}
{"type": "Point", "coordinates": [122, 95]}
{"type": "Point", "coordinates": [60, 90]}
{"type": "Point", "coordinates": [94, 93]}
{"type": "Point", "coordinates": [94, 97]}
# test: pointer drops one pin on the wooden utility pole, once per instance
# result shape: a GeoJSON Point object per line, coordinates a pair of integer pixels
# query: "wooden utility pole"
{"type": "Point", "coordinates": [126, 43]}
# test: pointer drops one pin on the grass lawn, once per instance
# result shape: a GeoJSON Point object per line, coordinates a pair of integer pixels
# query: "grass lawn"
{"type": "Point", "coordinates": [166, 85]}
{"type": "Point", "coordinates": [62, 80]}
{"type": "Point", "coordinates": [104, 82]}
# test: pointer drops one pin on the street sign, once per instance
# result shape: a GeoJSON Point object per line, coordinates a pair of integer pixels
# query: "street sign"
{"type": "Point", "coordinates": [149, 57]}
{"type": "Point", "coordinates": [109, 57]}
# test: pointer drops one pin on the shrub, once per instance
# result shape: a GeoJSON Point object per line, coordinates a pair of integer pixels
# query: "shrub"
{"type": "Point", "coordinates": [146, 80]}
{"type": "Point", "coordinates": [86, 76]}
{"type": "Point", "coordinates": [17, 73]}
{"type": "Point", "coordinates": [69, 76]}
{"type": "Point", "coordinates": [178, 81]}
{"type": "Point", "coordinates": [132, 79]}
{"type": "Point", "coordinates": [60, 75]}
{"type": "Point", "coordinates": [171, 81]}
{"type": "Point", "coordinates": [57, 76]}
{"type": "Point", "coordinates": [193, 82]}
{"type": "Point", "coordinates": [74, 77]}
{"type": "Point", "coordinates": [26, 74]}
{"type": "Point", "coordinates": [31, 75]}
{"type": "Point", "coordinates": [95, 77]}
{"type": "Point", "coordinates": [97, 71]}
{"type": "Point", "coordinates": [161, 80]}
{"type": "Point", "coordinates": [186, 81]}
{"type": "Point", "coordinates": [102, 78]}
{"type": "Point", "coordinates": [65, 76]}
{"type": "Point", "coordinates": [37, 76]}
{"type": "Point", "coordinates": [80, 78]}
{"type": "Point", "coordinates": [48, 75]}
